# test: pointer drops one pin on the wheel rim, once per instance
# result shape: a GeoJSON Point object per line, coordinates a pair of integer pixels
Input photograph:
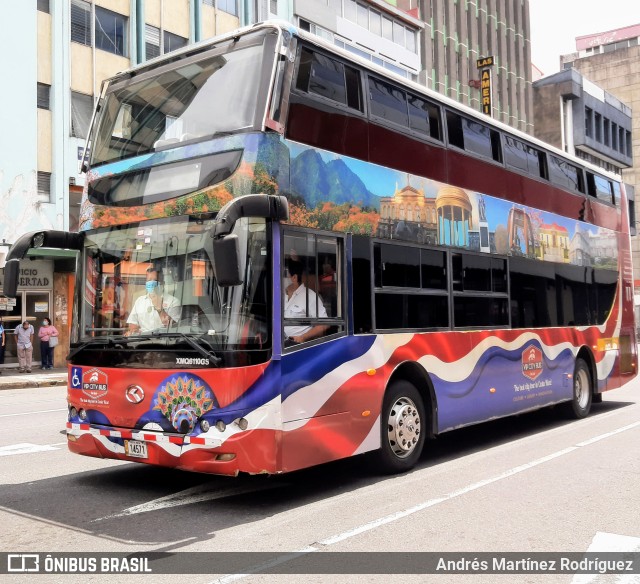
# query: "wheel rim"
{"type": "Point", "coordinates": [581, 388]}
{"type": "Point", "coordinates": [403, 427]}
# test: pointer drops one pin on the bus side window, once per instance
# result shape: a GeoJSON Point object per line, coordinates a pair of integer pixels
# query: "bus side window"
{"type": "Point", "coordinates": [329, 78]}
{"type": "Point", "coordinates": [315, 261]}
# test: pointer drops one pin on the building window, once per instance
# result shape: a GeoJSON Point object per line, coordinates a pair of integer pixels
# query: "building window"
{"type": "Point", "coordinates": [43, 6]}
{"type": "Point", "coordinates": [230, 6]}
{"type": "Point", "coordinates": [173, 41]}
{"type": "Point", "coordinates": [362, 16]}
{"type": "Point", "coordinates": [81, 22]}
{"type": "Point", "coordinates": [111, 31]}
{"type": "Point", "coordinates": [151, 42]}
{"type": "Point", "coordinates": [44, 92]}
{"type": "Point", "coordinates": [44, 185]}
{"type": "Point", "coordinates": [273, 6]}
{"type": "Point", "coordinates": [81, 111]}
{"type": "Point", "coordinates": [588, 122]}
{"type": "Point", "coordinates": [110, 28]}
{"type": "Point", "coordinates": [208, 2]}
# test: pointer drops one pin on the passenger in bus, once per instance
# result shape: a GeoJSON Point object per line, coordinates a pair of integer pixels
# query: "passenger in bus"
{"type": "Point", "coordinates": [154, 310]}
{"type": "Point", "coordinates": [297, 298]}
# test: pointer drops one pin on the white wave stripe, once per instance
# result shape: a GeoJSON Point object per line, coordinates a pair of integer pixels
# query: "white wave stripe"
{"type": "Point", "coordinates": [306, 402]}
{"type": "Point", "coordinates": [266, 417]}
{"type": "Point", "coordinates": [372, 439]}
{"type": "Point", "coordinates": [456, 371]}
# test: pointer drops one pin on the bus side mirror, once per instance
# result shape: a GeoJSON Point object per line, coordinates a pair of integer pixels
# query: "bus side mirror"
{"type": "Point", "coordinates": [11, 278]}
{"type": "Point", "coordinates": [226, 260]}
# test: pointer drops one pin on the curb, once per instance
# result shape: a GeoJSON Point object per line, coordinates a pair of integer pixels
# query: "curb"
{"type": "Point", "coordinates": [25, 382]}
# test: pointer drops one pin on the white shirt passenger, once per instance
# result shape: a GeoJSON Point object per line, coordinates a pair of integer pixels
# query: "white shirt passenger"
{"type": "Point", "coordinates": [296, 307]}
{"type": "Point", "coordinates": [145, 315]}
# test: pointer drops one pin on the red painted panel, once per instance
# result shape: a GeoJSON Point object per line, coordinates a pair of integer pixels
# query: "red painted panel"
{"type": "Point", "coordinates": [402, 152]}
{"type": "Point", "coordinates": [328, 129]}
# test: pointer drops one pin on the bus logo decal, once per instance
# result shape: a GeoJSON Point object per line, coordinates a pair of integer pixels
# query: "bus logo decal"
{"type": "Point", "coordinates": [134, 394]}
{"type": "Point", "coordinates": [94, 383]}
{"type": "Point", "coordinates": [532, 362]}
{"type": "Point", "coordinates": [183, 399]}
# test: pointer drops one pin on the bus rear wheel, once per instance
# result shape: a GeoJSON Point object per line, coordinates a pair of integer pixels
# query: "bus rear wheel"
{"type": "Point", "coordinates": [402, 428]}
{"type": "Point", "coordinates": [580, 405]}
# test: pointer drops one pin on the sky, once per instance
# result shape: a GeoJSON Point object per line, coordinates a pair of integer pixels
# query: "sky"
{"type": "Point", "coordinates": [556, 23]}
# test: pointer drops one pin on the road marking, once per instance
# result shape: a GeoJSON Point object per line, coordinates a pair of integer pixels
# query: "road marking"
{"type": "Point", "coordinates": [433, 502]}
{"type": "Point", "coordinates": [610, 542]}
{"type": "Point", "coordinates": [608, 434]}
{"type": "Point", "coordinates": [453, 495]}
{"type": "Point", "coordinates": [31, 413]}
{"type": "Point", "coordinates": [196, 494]}
{"type": "Point", "coordinates": [25, 449]}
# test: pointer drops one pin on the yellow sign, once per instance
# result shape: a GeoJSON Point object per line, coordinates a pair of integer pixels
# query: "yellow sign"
{"type": "Point", "coordinates": [484, 62]}
{"type": "Point", "coordinates": [485, 91]}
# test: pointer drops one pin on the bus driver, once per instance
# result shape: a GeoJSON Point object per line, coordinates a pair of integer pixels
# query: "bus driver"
{"type": "Point", "coordinates": [297, 298]}
{"type": "Point", "coordinates": [153, 310]}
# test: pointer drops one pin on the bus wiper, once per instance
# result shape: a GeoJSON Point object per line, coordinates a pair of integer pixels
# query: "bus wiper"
{"type": "Point", "coordinates": [73, 352]}
{"type": "Point", "coordinates": [210, 355]}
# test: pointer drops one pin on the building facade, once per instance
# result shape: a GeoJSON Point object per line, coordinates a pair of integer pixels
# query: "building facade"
{"type": "Point", "coordinates": [611, 60]}
{"type": "Point", "coordinates": [594, 124]}
{"type": "Point", "coordinates": [435, 42]}
{"type": "Point", "coordinates": [66, 48]}
{"type": "Point", "coordinates": [458, 34]}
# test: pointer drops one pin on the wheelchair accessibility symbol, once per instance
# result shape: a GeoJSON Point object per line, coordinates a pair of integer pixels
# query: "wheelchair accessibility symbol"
{"type": "Point", "coordinates": [76, 377]}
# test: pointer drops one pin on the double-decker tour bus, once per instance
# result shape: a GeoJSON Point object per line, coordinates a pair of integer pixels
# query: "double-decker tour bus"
{"type": "Point", "coordinates": [288, 256]}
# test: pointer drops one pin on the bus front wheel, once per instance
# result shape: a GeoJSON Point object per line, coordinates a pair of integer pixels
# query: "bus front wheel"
{"type": "Point", "coordinates": [403, 428]}
{"type": "Point", "coordinates": [580, 405]}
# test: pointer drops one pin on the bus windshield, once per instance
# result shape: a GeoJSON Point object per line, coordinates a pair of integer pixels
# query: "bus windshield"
{"type": "Point", "coordinates": [155, 280]}
{"type": "Point", "coordinates": [189, 100]}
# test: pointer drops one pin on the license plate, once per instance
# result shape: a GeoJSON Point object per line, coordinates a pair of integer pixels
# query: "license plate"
{"type": "Point", "coordinates": [135, 449]}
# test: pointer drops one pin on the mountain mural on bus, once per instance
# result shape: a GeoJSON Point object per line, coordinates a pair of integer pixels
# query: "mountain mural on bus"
{"type": "Point", "coordinates": [333, 192]}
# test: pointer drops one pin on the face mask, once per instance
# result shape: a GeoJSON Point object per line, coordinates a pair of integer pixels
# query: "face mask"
{"type": "Point", "coordinates": [45, 323]}
{"type": "Point", "coordinates": [286, 282]}
{"type": "Point", "coordinates": [151, 286]}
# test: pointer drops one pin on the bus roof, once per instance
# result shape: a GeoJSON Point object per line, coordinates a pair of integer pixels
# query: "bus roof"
{"type": "Point", "coordinates": [285, 27]}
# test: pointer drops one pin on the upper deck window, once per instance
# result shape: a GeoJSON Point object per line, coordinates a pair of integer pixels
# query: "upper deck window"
{"type": "Point", "coordinates": [565, 175]}
{"type": "Point", "coordinates": [396, 105]}
{"type": "Point", "coordinates": [197, 98]}
{"type": "Point", "coordinates": [600, 187]}
{"type": "Point", "coordinates": [521, 156]}
{"type": "Point", "coordinates": [473, 136]}
{"type": "Point", "coordinates": [329, 78]}
{"type": "Point", "coordinates": [388, 102]}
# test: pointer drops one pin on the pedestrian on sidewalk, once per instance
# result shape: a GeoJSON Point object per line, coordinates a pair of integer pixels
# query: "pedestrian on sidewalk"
{"type": "Point", "coordinates": [24, 341]}
{"type": "Point", "coordinates": [48, 335]}
{"type": "Point", "coordinates": [2, 347]}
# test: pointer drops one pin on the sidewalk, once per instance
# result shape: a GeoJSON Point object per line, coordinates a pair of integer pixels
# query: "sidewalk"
{"type": "Point", "coordinates": [11, 379]}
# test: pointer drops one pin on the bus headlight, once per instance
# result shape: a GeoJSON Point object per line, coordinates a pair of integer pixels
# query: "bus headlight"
{"type": "Point", "coordinates": [204, 425]}
{"type": "Point", "coordinates": [83, 414]}
{"type": "Point", "coordinates": [242, 423]}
